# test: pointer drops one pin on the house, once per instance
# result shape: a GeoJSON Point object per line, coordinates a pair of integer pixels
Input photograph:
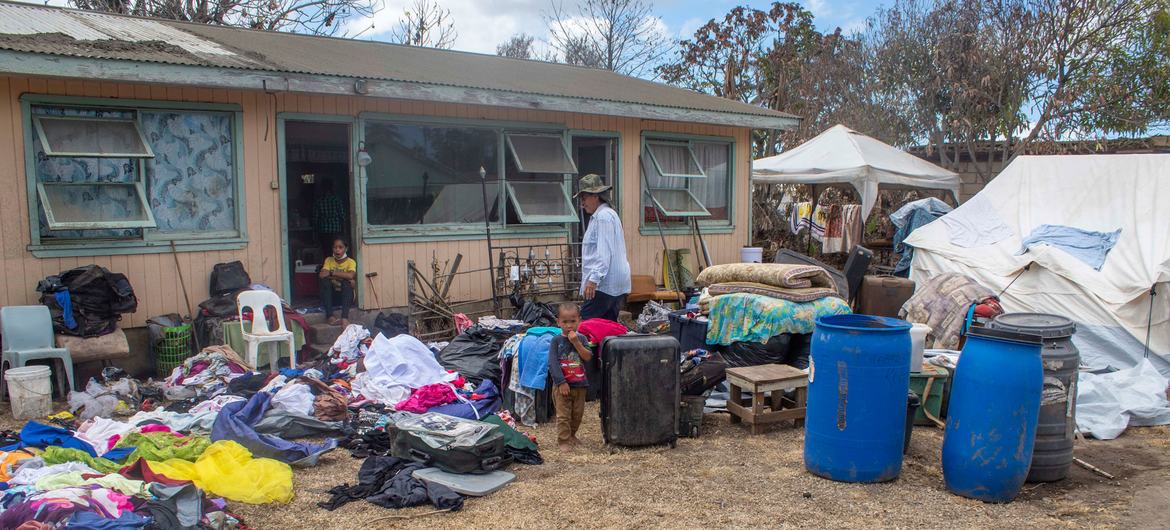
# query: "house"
{"type": "Point", "coordinates": [159, 148]}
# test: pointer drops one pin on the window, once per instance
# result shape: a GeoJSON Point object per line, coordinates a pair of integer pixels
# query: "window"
{"type": "Point", "coordinates": [700, 191]}
{"type": "Point", "coordinates": [424, 174]}
{"type": "Point", "coordinates": [540, 154]}
{"type": "Point", "coordinates": [674, 159]}
{"type": "Point", "coordinates": [128, 175]}
{"type": "Point", "coordinates": [76, 136]}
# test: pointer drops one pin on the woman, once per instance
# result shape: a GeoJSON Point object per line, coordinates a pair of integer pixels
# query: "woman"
{"type": "Point", "coordinates": [336, 281]}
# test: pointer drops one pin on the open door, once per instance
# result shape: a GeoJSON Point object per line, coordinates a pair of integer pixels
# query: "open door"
{"type": "Point", "coordinates": [317, 197]}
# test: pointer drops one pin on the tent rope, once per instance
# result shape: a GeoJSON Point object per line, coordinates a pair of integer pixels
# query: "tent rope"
{"type": "Point", "coordinates": [1150, 319]}
{"type": "Point", "coordinates": [1021, 273]}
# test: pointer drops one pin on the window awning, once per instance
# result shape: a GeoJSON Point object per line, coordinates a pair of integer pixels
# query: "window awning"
{"type": "Point", "coordinates": [95, 205]}
{"type": "Point", "coordinates": [536, 153]}
{"type": "Point", "coordinates": [677, 202]}
{"type": "Point", "coordinates": [91, 137]}
{"type": "Point", "coordinates": [541, 202]}
{"type": "Point", "coordinates": [674, 159]}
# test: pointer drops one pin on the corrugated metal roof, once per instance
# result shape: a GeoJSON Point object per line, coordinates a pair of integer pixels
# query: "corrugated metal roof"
{"type": "Point", "coordinates": [65, 32]}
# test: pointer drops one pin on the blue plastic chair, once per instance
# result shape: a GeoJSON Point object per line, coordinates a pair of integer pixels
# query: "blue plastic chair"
{"type": "Point", "coordinates": [28, 335]}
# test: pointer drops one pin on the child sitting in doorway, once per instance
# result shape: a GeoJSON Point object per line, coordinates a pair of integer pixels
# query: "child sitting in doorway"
{"type": "Point", "coordinates": [567, 355]}
{"type": "Point", "coordinates": [336, 281]}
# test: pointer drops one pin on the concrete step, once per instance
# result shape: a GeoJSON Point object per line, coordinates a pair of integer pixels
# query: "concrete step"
{"type": "Point", "coordinates": [315, 318]}
{"type": "Point", "coordinates": [324, 333]}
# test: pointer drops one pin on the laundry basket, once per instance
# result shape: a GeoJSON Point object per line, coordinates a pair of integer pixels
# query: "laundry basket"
{"type": "Point", "coordinates": [172, 347]}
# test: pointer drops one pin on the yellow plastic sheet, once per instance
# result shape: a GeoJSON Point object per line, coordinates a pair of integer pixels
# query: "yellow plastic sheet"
{"type": "Point", "coordinates": [228, 470]}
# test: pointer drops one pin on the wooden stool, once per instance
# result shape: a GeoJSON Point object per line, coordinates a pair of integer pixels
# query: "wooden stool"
{"type": "Point", "coordinates": [757, 380]}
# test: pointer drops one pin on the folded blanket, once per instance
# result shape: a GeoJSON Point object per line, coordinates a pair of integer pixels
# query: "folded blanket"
{"type": "Point", "coordinates": [783, 275]}
{"type": "Point", "coordinates": [806, 294]}
{"type": "Point", "coordinates": [743, 317]}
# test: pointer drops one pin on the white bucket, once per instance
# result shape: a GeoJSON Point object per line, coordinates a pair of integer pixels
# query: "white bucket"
{"type": "Point", "coordinates": [29, 391]}
{"type": "Point", "coordinates": [751, 255]}
{"type": "Point", "coordinates": [918, 333]}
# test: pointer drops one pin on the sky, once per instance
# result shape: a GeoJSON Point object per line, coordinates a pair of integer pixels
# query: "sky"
{"type": "Point", "coordinates": [482, 24]}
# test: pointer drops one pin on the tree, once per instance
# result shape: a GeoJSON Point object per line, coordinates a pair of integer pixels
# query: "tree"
{"type": "Point", "coordinates": [619, 35]}
{"type": "Point", "coordinates": [519, 46]}
{"type": "Point", "coordinates": [427, 24]}
{"type": "Point", "coordinates": [316, 17]}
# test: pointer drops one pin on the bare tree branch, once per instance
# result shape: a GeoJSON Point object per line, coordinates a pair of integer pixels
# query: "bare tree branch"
{"type": "Point", "coordinates": [427, 24]}
{"type": "Point", "coordinates": [619, 35]}
{"type": "Point", "coordinates": [317, 17]}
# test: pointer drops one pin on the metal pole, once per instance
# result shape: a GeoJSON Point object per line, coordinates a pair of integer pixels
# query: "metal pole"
{"type": "Point", "coordinates": [487, 226]}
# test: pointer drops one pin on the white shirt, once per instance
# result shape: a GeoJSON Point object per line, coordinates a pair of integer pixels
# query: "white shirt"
{"type": "Point", "coordinates": [603, 254]}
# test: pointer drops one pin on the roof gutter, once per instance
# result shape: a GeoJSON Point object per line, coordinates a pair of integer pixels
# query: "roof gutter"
{"type": "Point", "coordinates": [35, 64]}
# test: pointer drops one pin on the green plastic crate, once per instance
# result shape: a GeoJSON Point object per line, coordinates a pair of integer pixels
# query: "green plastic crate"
{"type": "Point", "coordinates": [174, 348]}
{"type": "Point", "coordinates": [938, 390]}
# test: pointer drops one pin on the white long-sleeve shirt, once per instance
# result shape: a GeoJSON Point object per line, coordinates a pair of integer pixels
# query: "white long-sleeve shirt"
{"type": "Point", "coordinates": [603, 254]}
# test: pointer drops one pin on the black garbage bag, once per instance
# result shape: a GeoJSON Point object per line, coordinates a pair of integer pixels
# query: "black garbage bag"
{"type": "Point", "coordinates": [474, 354]}
{"type": "Point", "coordinates": [223, 305]}
{"type": "Point", "coordinates": [392, 324]}
{"type": "Point", "coordinates": [229, 277]}
{"type": "Point", "coordinates": [787, 349]}
{"type": "Point", "coordinates": [96, 296]}
{"type": "Point", "coordinates": [537, 314]}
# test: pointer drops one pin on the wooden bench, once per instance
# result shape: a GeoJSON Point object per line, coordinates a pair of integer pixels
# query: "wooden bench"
{"type": "Point", "coordinates": [773, 378]}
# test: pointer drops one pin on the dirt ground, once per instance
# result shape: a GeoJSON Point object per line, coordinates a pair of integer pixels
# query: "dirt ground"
{"type": "Point", "coordinates": [728, 478]}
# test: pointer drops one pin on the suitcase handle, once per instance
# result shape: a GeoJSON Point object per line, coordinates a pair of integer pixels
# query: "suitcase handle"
{"type": "Point", "coordinates": [419, 456]}
{"type": "Point", "coordinates": [491, 463]}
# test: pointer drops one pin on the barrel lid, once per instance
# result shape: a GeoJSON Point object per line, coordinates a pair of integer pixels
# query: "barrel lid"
{"type": "Point", "coordinates": [1002, 334]}
{"type": "Point", "coordinates": [1043, 324]}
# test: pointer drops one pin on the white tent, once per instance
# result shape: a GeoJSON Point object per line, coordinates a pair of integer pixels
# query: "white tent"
{"type": "Point", "coordinates": [1114, 309]}
{"type": "Point", "coordinates": [841, 155]}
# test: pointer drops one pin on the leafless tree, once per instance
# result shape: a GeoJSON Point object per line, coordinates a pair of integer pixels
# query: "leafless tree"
{"type": "Point", "coordinates": [315, 17]}
{"type": "Point", "coordinates": [518, 46]}
{"type": "Point", "coordinates": [619, 35]}
{"type": "Point", "coordinates": [427, 24]}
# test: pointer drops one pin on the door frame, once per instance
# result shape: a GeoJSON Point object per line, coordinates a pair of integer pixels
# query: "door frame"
{"type": "Point", "coordinates": [615, 177]}
{"type": "Point", "coordinates": [282, 120]}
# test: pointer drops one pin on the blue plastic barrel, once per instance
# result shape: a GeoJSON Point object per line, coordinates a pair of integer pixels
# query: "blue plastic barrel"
{"type": "Point", "coordinates": [858, 374]}
{"type": "Point", "coordinates": [991, 419]}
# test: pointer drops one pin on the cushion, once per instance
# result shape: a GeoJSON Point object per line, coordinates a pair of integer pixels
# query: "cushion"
{"type": "Point", "coordinates": [104, 347]}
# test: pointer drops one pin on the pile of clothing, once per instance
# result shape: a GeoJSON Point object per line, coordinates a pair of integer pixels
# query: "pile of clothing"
{"type": "Point", "coordinates": [87, 301]}
{"type": "Point", "coordinates": [753, 302]}
{"type": "Point", "coordinates": [948, 303]}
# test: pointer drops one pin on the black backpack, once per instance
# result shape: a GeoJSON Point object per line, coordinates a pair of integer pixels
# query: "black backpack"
{"type": "Point", "coordinates": [228, 278]}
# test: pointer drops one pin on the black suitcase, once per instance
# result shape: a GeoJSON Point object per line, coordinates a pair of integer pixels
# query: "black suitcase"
{"type": "Point", "coordinates": [488, 455]}
{"type": "Point", "coordinates": [694, 380]}
{"type": "Point", "coordinates": [640, 390]}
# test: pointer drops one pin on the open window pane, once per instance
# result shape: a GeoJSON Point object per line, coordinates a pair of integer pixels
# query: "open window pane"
{"type": "Point", "coordinates": [540, 154]}
{"type": "Point", "coordinates": [541, 202]}
{"type": "Point", "coordinates": [677, 203]}
{"type": "Point", "coordinates": [70, 136]}
{"type": "Point", "coordinates": [461, 203]}
{"type": "Point", "coordinates": [674, 160]}
{"type": "Point", "coordinates": [90, 206]}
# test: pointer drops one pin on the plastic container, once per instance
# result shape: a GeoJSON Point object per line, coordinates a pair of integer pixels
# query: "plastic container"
{"type": "Point", "coordinates": [931, 387]}
{"type": "Point", "coordinates": [751, 255]}
{"type": "Point", "coordinates": [912, 404]}
{"type": "Point", "coordinates": [1053, 453]}
{"type": "Point", "coordinates": [690, 416]}
{"type": "Point", "coordinates": [858, 376]}
{"type": "Point", "coordinates": [690, 332]}
{"type": "Point", "coordinates": [174, 347]}
{"type": "Point", "coordinates": [918, 333]}
{"type": "Point", "coordinates": [30, 391]}
{"type": "Point", "coordinates": [991, 423]}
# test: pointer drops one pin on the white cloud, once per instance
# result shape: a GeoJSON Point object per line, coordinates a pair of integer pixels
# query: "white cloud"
{"type": "Point", "coordinates": [481, 25]}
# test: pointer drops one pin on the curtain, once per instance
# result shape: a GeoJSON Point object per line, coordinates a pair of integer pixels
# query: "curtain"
{"type": "Point", "coordinates": [191, 183]}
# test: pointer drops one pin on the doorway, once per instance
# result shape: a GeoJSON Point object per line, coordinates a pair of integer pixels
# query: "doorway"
{"type": "Point", "coordinates": [317, 198]}
{"type": "Point", "coordinates": [593, 154]}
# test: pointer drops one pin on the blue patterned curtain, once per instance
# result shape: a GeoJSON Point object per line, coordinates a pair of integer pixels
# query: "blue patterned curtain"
{"type": "Point", "coordinates": [192, 175]}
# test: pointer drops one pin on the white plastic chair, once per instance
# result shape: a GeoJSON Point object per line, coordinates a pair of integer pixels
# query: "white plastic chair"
{"type": "Point", "coordinates": [256, 302]}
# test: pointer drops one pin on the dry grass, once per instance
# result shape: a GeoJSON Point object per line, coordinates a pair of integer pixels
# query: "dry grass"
{"type": "Point", "coordinates": [728, 478]}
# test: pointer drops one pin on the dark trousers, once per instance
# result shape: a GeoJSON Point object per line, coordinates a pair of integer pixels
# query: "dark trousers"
{"type": "Point", "coordinates": [331, 297]}
{"type": "Point", "coordinates": [603, 306]}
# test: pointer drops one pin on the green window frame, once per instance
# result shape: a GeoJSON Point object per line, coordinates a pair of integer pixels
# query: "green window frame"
{"type": "Point", "coordinates": [709, 226]}
{"type": "Point", "coordinates": [656, 148]}
{"type": "Point", "coordinates": [143, 151]}
{"type": "Point", "coordinates": [139, 190]}
{"type": "Point", "coordinates": [530, 224]}
{"type": "Point", "coordinates": [151, 240]}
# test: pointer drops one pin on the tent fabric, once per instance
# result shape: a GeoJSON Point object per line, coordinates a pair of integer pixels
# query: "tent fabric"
{"type": "Point", "coordinates": [1112, 307]}
{"type": "Point", "coordinates": [841, 155]}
